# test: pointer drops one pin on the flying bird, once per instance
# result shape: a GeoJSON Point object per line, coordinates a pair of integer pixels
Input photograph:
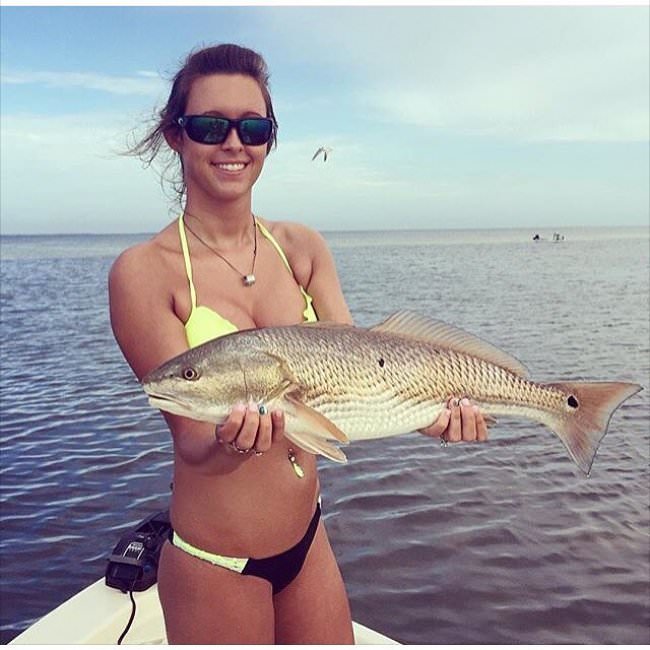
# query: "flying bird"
{"type": "Point", "coordinates": [322, 150]}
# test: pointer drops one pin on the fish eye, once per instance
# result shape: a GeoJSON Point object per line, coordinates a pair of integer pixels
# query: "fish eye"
{"type": "Point", "coordinates": [572, 402]}
{"type": "Point", "coordinates": [190, 374]}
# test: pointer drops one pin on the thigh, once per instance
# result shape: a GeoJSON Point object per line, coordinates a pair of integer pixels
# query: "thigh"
{"type": "Point", "coordinates": [206, 604]}
{"type": "Point", "coordinates": [314, 608]}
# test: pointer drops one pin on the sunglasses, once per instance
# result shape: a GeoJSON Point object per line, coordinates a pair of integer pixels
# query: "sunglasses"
{"type": "Point", "coordinates": [208, 129]}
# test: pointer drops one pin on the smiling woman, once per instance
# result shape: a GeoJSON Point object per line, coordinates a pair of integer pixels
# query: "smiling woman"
{"type": "Point", "coordinates": [228, 60]}
{"type": "Point", "coordinates": [237, 493]}
{"type": "Point", "coordinates": [243, 496]}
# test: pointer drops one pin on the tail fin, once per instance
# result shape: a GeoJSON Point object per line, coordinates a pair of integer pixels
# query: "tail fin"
{"type": "Point", "coordinates": [590, 407]}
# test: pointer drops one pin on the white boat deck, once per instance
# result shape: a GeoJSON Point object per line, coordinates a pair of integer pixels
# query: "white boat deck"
{"type": "Point", "coordinates": [99, 614]}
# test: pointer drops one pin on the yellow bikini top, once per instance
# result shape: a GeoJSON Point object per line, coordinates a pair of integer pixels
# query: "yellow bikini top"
{"type": "Point", "coordinates": [205, 323]}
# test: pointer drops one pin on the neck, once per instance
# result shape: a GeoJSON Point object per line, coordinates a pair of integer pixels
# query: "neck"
{"type": "Point", "coordinates": [228, 226]}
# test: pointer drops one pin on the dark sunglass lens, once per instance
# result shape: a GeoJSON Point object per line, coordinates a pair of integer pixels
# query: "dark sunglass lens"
{"type": "Point", "coordinates": [255, 131]}
{"type": "Point", "coordinates": [207, 129]}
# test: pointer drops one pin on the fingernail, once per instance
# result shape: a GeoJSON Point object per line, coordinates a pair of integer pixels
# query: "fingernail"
{"type": "Point", "coordinates": [475, 408]}
{"type": "Point", "coordinates": [464, 402]}
{"type": "Point", "coordinates": [239, 408]}
{"type": "Point", "coordinates": [252, 407]}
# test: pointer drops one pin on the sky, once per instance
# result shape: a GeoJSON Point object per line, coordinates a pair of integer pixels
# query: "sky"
{"type": "Point", "coordinates": [438, 116]}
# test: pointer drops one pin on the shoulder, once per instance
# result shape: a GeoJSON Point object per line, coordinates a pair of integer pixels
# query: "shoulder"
{"type": "Point", "coordinates": [305, 248]}
{"type": "Point", "coordinates": [296, 237]}
{"type": "Point", "coordinates": [314, 267]}
{"type": "Point", "coordinates": [144, 263]}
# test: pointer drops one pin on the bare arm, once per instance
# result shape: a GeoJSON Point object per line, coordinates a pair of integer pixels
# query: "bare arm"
{"type": "Point", "coordinates": [142, 316]}
{"type": "Point", "coordinates": [149, 333]}
{"type": "Point", "coordinates": [324, 285]}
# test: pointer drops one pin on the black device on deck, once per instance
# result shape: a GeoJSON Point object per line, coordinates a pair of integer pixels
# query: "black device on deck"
{"type": "Point", "coordinates": [133, 565]}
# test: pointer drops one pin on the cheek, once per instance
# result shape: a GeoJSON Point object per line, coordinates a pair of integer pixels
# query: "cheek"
{"type": "Point", "coordinates": [192, 159]}
{"type": "Point", "coordinates": [258, 160]}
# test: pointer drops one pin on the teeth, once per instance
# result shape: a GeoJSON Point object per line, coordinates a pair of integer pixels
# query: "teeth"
{"type": "Point", "coordinates": [231, 167]}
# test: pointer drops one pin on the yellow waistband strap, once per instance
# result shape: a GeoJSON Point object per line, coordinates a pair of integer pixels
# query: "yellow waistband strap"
{"type": "Point", "coordinates": [236, 564]}
{"type": "Point", "coordinates": [186, 256]}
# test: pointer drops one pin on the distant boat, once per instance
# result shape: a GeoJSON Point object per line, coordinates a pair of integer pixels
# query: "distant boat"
{"type": "Point", "coordinates": [557, 237]}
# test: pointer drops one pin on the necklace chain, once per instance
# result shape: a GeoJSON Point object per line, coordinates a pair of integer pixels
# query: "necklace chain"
{"type": "Point", "coordinates": [247, 278]}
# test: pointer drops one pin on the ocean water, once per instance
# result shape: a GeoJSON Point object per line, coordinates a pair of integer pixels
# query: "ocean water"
{"type": "Point", "coordinates": [504, 542]}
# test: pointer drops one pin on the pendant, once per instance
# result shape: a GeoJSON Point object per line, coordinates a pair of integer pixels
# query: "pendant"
{"type": "Point", "coordinates": [249, 280]}
{"type": "Point", "coordinates": [300, 472]}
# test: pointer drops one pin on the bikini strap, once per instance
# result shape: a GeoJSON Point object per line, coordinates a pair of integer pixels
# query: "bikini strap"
{"type": "Point", "coordinates": [186, 256]}
{"type": "Point", "coordinates": [277, 247]}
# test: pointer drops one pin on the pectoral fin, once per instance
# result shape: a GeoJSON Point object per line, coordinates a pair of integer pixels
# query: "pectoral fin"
{"type": "Point", "coordinates": [315, 445]}
{"type": "Point", "coordinates": [312, 422]}
{"type": "Point", "coordinates": [311, 430]}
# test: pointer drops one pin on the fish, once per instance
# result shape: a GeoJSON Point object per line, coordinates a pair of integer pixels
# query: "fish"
{"type": "Point", "coordinates": [342, 383]}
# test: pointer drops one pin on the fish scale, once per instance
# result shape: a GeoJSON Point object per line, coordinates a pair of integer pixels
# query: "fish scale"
{"type": "Point", "coordinates": [343, 383]}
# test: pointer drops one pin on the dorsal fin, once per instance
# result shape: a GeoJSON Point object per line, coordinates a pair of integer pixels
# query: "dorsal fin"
{"type": "Point", "coordinates": [329, 324]}
{"type": "Point", "coordinates": [413, 325]}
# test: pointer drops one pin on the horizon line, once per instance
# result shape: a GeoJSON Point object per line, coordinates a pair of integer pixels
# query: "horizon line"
{"type": "Point", "coordinates": [341, 230]}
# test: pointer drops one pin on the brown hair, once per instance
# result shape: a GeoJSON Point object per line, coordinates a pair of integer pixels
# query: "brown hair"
{"type": "Point", "coordinates": [219, 59]}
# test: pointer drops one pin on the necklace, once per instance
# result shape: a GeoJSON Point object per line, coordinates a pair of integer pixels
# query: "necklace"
{"type": "Point", "coordinates": [247, 278]}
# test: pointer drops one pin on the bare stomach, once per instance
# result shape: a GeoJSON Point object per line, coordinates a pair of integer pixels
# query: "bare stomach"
{"type": "Point", "coordinates": [246, 506]}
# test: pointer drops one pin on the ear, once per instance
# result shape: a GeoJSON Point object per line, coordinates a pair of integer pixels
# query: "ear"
{"type": "Point", "coordinates": [174, 137]}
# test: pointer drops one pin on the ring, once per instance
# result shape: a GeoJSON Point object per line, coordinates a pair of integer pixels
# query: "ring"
{"type": "Point", "coordinates": [262, 409]}
{"type": "Point", "coordinates": [239, 449]}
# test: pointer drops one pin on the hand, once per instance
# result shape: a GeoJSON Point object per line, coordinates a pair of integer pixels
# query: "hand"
{"type": "Point", "coordinates": [459, 422]}
{"type": "Point", "coordinates": [250, 429]}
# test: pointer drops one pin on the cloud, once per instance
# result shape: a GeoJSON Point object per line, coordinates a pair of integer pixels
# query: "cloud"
{"type": "Point", "coordinates": [142, 83]}
{"type": "Point", "coordinates": [550, 98]}
{"type": "Point", "coordinates": [59, 176]}
{"type": "Point", "coordinates": [523, 73]}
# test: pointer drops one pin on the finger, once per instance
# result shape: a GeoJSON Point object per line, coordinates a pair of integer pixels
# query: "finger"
{"type": "Point", "coordinates": [437, 429]}
{"type": "Point", "coordinates": [468, 421]}
{"type": "Point", "coordinates": [263, 440]}
{"type": "Point", "coordinates": [278, 424]}
{"type": "Point", "coordinates": [454, 428]}
{"type": "Point", "coordinates": [228, 431]}
{"type": "Point", "coordinates": [248, 432]}
{"type": "Point", "coordinates": [481, 425]}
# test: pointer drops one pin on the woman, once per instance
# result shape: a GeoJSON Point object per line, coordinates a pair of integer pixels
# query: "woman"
{"type": "Point", "coordinates": [250, 561]}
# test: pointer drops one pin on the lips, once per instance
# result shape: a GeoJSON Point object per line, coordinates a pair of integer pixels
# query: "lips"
{"type": "Point", "coordinates": [230, 166]}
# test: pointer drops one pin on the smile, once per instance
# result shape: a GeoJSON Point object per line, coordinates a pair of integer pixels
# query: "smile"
{"type": "Point", "coordinates": [230, 167]}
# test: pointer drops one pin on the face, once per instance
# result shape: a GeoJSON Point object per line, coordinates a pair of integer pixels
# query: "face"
{"type": "Point", "coordinates": [226, 171]}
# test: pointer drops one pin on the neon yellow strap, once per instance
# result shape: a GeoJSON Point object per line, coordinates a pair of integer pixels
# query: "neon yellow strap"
{"type": "Point", "coordinates": [186, 256]}
{"type": "Point", "coordinates": [277, 247]}
{"type": "Point", "coordinates": [308, 314]}
{"type": "Point", "coordinates": [236, 564]}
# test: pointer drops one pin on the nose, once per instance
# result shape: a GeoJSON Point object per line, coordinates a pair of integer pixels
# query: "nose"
{"type": "Point", "coordinates": [232, 140]}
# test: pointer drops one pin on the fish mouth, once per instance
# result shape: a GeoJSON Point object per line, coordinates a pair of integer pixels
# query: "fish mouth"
{"type": "Point", "coordinates": [177, 406]}
{"type": "Point", "coordinates": [169, 404]}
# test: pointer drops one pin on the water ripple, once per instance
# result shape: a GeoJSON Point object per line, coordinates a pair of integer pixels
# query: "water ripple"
{"type": "Point", "coordinates": [509, 531]}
